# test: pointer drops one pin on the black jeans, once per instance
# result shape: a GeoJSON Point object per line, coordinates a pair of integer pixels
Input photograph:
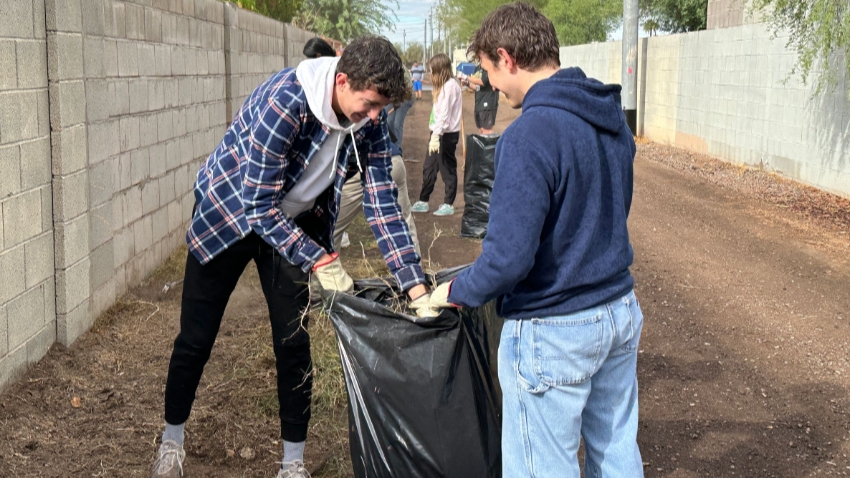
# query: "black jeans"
{"type": "Point", "coordinates": [206, 290]}
{"type": "Point", "coordinates": [446, 162]}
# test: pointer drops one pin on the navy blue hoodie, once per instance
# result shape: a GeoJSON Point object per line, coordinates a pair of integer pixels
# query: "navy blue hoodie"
{"type": "Point", "coordinates": [557, 240]}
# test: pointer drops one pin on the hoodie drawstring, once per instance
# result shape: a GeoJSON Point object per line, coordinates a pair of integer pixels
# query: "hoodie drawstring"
{"type": "Point", "coordinates": [336, 155]}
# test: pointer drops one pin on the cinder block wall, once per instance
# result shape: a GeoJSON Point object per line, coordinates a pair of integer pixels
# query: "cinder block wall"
{"type": "Point", "coordinates": [723, 92]}
{"type": "Point", "coordinates": [27, 305]}
{"type": "Point", "coordinates": [255, 50]}
{"type": "Point", "coordinates": [107, 108]}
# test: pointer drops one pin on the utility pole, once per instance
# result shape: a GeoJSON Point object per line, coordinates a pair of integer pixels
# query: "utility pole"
{"type": "Point", "coordinates": [630, 62]}
{"type": "Point", "coordinates": [425, 43]}
{"type": "Point", "coordinates": [403, 42]}
{"type": "Point", "coordinates": [431, 21]}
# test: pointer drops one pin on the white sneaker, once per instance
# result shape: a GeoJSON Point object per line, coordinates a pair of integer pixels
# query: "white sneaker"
{"type": "Point", "coordinates": [294, 469]}
{"type": "Point", "coordinates": [169, 461]}
{"type": "Point", "coordinates": [345, 241]}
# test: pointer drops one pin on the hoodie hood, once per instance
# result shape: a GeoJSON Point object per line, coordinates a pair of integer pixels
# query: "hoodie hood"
{"type": "Point", "coordinates": [317, 79]}
{"type": "Point", "coordinates": [571, 90]}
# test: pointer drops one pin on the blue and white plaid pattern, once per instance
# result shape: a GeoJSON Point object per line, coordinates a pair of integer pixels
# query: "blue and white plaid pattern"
{"type": "Point", "coordinates": [263, 155]}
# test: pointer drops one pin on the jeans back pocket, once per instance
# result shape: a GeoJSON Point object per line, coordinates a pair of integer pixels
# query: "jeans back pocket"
{"type": "Point", "coordinates": [568, 350]}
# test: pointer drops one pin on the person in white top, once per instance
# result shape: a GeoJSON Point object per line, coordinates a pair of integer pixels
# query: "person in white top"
{"type": "Point", "coordinates": [445, 133]}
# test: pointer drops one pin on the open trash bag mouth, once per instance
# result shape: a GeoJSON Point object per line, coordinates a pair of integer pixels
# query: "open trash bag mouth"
{"type": "Point", "coordinates": [423, 393]}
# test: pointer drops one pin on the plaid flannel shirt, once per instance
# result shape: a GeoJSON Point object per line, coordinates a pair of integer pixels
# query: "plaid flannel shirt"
{"type": "Point", "coordinates": [264, 153]}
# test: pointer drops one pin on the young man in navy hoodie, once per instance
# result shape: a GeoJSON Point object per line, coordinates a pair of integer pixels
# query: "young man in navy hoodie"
{"type": "Point", "coordinates": [556, 258]}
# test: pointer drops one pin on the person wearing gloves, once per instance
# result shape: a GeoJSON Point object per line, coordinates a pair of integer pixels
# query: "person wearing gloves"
{"type": "Point", "coordinates": [270, 194]}
{"type": "Point", "coordinates": [556, 259]}
{"type": "Point", "coordinates": [445, 133]}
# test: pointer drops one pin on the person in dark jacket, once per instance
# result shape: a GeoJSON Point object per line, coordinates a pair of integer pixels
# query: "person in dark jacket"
{"type": "Point", "coordinates": [556, 259]}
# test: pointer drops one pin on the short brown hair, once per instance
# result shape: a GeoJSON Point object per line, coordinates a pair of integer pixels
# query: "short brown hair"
{"type": "Point", "coordinates": [371, 61]}
{"type": "Point", "coordinates": [525, 34]}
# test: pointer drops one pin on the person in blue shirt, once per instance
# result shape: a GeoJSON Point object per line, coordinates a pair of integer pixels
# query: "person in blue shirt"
{"type": "Point", "coordinates": [556, 259]}
{"type": "Point", "coordinates": [417, 72]}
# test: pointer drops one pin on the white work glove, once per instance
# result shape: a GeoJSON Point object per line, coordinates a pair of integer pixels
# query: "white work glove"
{"type": "Point", "coordinates": [423, 308]}
{"type": "Point", "coordinates": [332, 276]}
{"type": "Point", "coordinates": [434, 144]}
{"type": "Point", "coordinates": [440, 296]}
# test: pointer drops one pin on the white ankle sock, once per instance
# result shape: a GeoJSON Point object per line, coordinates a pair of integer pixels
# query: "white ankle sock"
{"type": "Point", "coordinates": [293, 451]}
{"type": "Point", "coordinates": [173, 433]}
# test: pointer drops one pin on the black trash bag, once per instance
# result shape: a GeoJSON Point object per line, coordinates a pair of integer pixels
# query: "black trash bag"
{"type": "Point", "coordinates": [478, 175]}
{"type": "Point", "coordinates": [423, 394]}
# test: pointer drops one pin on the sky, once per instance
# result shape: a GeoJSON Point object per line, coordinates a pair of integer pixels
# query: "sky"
{"type": "Point", "coordinates": [411, 18]}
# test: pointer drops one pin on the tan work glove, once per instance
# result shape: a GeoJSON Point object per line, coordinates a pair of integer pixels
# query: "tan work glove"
{"type": "Point", "coordinates": [422, 306]}
{"type": "Point", "coordinates": [332, 276]}
{"type": "Point", "coordinates": [434, 144]}
{"type": "Point", "coordinates": [440, 296]}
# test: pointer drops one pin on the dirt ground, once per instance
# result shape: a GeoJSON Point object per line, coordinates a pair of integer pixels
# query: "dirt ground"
{"type": "Point", "coordinates": [744, 281]}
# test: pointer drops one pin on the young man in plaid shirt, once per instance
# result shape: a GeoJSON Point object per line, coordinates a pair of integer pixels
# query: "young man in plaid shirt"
{"type": "Point", "coordinates": [270, 193]}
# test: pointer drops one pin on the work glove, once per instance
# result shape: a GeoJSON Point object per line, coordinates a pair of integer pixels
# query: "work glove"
{"type": "Point", "coordinates": [423, 308]}
{"type": "Point", "coordinates": [440, 296]}
{"type": "Point", "coordinates": [332, 276]}
{"type": "Point", "coordinates": [434, 144]}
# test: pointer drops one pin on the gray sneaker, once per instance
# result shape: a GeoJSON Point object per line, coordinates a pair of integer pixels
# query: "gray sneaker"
{"type": "Point", "coordinates": [293, 470]}
{"type": "Point", "coordinates": [169, 461]}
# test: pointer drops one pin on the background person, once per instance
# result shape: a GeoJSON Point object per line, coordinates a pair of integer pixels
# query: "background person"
{"type": "Point", "coordinates": [417, 72]}
{"type": "Point", "coordinates": [317, 48]}
{"type": "Point", "coordinates": [486, 102]}
{"type": "Point", "coordinates": [445, 133]}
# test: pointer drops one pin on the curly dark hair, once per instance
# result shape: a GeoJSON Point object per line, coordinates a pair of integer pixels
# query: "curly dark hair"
{"type": "Point", "coordinates": [525, 34]}
{"type": "Point", "coordinates": [371, 61]}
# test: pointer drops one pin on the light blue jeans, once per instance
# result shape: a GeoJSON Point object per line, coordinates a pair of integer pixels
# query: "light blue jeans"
{"type": "Point", "coordinates": [568, 377]}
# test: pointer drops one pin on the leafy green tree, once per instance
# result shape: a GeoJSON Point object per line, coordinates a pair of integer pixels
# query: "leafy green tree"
{"type": "Point", "coordinates": [282, 10]}
{"type": "Point", "coordinates": [650, 26]}
{"type": "Point", "coordinates": [470, 13]}
{"type": "Point", "coordinates": [345, 19]}
{"type": "Point", "coordinates": [584, 21]}
{"type": "Point", "coordinates": [676, 16]}
{"type": "Point", "coordinates": [819, 34]}
{"type": "Point", "coordinates": [413, 53]}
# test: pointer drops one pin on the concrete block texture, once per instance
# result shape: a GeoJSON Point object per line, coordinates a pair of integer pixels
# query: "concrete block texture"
{"type": "Point", "coordinates": [63, 15]}
{"type": "Point", "coordinates": [64, 56]}
{"type": "Point", "coordinates": [70, 196]}
{"type": "Point", "coordinates": [71, 325]}
{"type": "Point", "coordinates": [102, 265]}
{"type": "Point", "coordinates": [69, 150]}
{"type": "Point", "coordinates": [18, 19]}
{"type": "Point", "coordinates": [10, 165]}
{"type": "Point", "coordinates": [22, 217]}
{"type": "Point", "coordinates": [8, 56]}
{"type": "Point", "coordinates": [72, 286]}
{"type": "Point", "coordinates": [72, 241]}
{"type": "Point", "coordinates": [12, 366]}
{"type": "Point", "coordinates": [35, 163]}
{"type": "Point", "coordinates": [4, 332]}
{"type": "Point", "coordinates": [101, 181]}
{"type": "Point", "coordinates": [67, 104]}
{"type": "Point", "coordinates": [18, 121]}
{"type": "Point", "coordinates": [32, 64]}
{"type": "Point", "coordinates": [25, 316]}
{"type": "Point", "coordinates": [93, 17]}
{"type": "Point", "coordinates": [100, 225]}
{"type": "Point", "coordinates": [40, 343]}
{"type": "Point", "coordinates": [13, 265]}
{"type": "Point", "coordinates": [39, 259]}
{"type": "Point", "coordinates": [104, 140]}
